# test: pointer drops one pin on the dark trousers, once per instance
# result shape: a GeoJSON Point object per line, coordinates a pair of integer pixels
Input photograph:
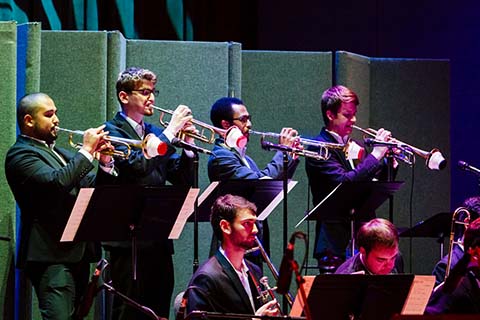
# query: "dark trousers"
{"type": "Point", "coordinates": [59, 287]}
{"type": "Point", "coordinates": [153, 287]}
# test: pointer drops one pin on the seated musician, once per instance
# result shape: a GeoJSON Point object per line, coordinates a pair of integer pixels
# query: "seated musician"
{"type": "Point", "coordinates": [227, 282]}
{"type": "Point", "coordinates": [460, 294]}
{"type": "Point", "coordinates": [377, 241]}
{"type": "Point", "coordinates": [472, 204]}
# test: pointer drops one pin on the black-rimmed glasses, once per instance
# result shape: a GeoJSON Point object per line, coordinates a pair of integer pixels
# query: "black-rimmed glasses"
{"type": "Point", "coordinates": [244, 118]}
{"type": "Point", "coordinates": [146, 92]}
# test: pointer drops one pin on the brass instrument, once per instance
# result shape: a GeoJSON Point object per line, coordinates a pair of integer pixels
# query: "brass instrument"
{"type": "Point", "coordinates": [323, 152]}
{"type": "Point", "coordinates": [128, 143]}
{"type": "Point", "coordinates": [434, 159]}
{"type": "Point", "coordinates": [456, 221]}
{"type": "Point", "coordinates": [206, 134]}
{"type": "Point", "coordinates": [266, 258]}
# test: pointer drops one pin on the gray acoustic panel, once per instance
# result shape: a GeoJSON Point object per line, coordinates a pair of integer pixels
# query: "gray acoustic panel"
{"type": "Point", "coordinates": [411, 98]}
{"type": "Point", "coordinates": [74, 74]}
{"type": "Point", "coordinates": [117, 55]}
{"type": "Point", "coordinates": [8, 65]}
{"type": "Point", "coordinates": [283, 89]}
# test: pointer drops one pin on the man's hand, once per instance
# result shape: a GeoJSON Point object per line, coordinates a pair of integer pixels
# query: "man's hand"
{"type": "Point", "coordinates": [189, 128]}
{"type": "Point", "coordinates": [180, 117]}
{"type": "Point", "coordinates": [92, 138]}
{"type": "Point", "coordinates": [268, 309]}
{"type": "Point", "coordinates": [382, 135]}
{"type": "Point", "coordinates": [288, 137]}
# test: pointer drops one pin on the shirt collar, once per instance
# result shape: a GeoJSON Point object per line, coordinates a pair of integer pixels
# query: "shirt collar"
{"type": "Point", "coordinates": [244, 269]}
{"type": "Point", "coordinates": [132, 122]}
{"type": "Point", "coordinates": [40, 141]}
{"type": "Point", "coordinates": [337, 137]}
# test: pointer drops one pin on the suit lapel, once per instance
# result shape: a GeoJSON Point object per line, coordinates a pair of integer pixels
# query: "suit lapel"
{"type": "Point", "coordinates": [50, 157]}
{"type": "Point", "coordinates": [340, 154]}
{"type": "Point", "coordinates": [237, 284]}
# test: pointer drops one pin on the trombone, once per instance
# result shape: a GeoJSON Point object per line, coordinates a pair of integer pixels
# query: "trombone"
{"type": "Point", "coordinates": [128, 143]}
{"type": "Point", "coordinates": [266, 258]}
{"type": "Point", "coordinates": [206, 134]}
{"type": "Point", "coordinates": [323, 152]}
{"type": "Point", "coordinates": [456, 221]}
{"type": "Point", "coordinates": [434, 160]}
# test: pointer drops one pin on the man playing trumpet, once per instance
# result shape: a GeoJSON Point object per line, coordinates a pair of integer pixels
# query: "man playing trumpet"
{"type": "Point", "coordinates": [45, 181]}
{"type": "Point", "coordinates": [136, 93]}
{"type": "Point", "coordinates": [339, 109]}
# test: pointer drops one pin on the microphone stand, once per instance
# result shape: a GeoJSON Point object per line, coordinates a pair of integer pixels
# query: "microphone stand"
{"type": "Point", "coordinates": [195, 149]}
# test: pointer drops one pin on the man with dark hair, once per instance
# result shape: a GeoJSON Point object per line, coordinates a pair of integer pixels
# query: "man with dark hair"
{"type": "Point", "coordinates": [339, 109]}
{"type": "Point", "coordinates": [155, 273]}
{"type": "Point", "coordinates": [472, 205]}
{"type": "Point", "coordinates": [45, 181]}
{"type": "Point", "coordinates": [229, 161]}
{"type": "Point", "coordinates": [460, 294]}
{"type": "Point", "coordinates": [377, 241]}
{"type": "Point", "coordinates": [227, 283]}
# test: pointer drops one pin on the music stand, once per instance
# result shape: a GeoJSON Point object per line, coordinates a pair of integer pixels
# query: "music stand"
{"type": "Point", "coordinates": [366, 297]}
{"type": "Point", "coordinates": [125, 213]}
{"type": "Point", "coordinates": [437, 226]}
{"type": "Point", "coordinates": [360, 198]}
{"type": "Point", "coordinates": [217, 315]}
{"type": "Point", "coordinates": [260, 192]}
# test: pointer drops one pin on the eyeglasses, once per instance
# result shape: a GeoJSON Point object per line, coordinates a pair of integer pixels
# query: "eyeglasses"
{"type": "Point", "coordinates": [146, 92]}
{"type": "Point", "coordinates": [244, 118]}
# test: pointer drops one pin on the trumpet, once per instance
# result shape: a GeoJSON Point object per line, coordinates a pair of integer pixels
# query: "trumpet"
{"type": "Point", "coordinates": [434, 159]}
{"type": "Point", "coordinates": [323, 152]}
{"type": "Point", "coordinates": [456, 221]}
{"type": "Point", "coordinates": [206, 134]}
{"type": "Point", "coordinates": [128, 143]}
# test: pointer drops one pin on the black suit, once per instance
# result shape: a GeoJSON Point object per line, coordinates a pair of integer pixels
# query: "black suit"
{"type": "Point", "coordinates": [45, 190]}
{"type": "Point", "coordinates": [323, 177]}
{"type": "Point", "coordinates": [154, 285]}
{"type": "Point", "coordinates": [216, 287]}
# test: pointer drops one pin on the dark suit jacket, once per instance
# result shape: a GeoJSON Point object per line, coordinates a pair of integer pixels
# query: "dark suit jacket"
{"type": "Point", "coordinates": [441, 266]}
{"type": "Point", "coordinates": [45, 191]}
{"type": "Point", "coordinates": [215, 287]}
{"type": "Point", "coordinates": [226, 164]}
{"type": "Point", "coordinates": [325, 175]}
{"type": "Point", "coordinates": [465, 299]}
{"type": "Point", "coordinates": [137, 170]}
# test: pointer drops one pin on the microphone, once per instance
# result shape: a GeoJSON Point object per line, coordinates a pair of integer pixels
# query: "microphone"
{"type": "Point", "coordinates": [465, 166]}
{"type": "Point", "coordinates": [187, 146]}
{"type": "Point", "coordinates": [373, 143]}
{"type": "Point", "coordinates": [286, 269]}
{"type": "Point", "coordinates": [91, 291]}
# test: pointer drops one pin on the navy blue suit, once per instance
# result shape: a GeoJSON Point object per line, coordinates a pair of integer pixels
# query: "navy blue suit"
{"type": "Point", "coordinates": [155, 273]}
{"type": "Point", "coordinates": [216, 287]}
{"type": "Point", "coordinates": [323, 177]}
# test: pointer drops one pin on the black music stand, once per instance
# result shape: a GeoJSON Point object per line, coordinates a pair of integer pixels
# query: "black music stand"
{"type": "Point", "coordinates": [361, 199]}
{"type": "Point", "coordinates": [217, 315]}
{"type": "Point", "coordinates": [260, 192]}
{"type": "Point", "coordinates": [437, 226]}
{"type": "Point", "coordinates": [366, 297]}
{"type": "Point", "coordinates": [130, 213]}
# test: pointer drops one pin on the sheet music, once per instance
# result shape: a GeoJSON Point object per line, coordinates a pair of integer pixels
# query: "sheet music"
{"type": "Point", "coordinates": [298, 304]}
{"type": "Point", "coordinates": [77, 213]}
{"type": "Point", "coordinates": [420, 292]}
{"type": "Point", "coordinates": [212, 186]}
{"type": "Point", "coordinates": [266, 212]}
{"type": "Point", "coordinates": [185, 212]}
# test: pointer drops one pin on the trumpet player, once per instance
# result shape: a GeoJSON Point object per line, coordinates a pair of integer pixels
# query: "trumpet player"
{"type": "Point", "coordinates": [225, 283]}
{"type": "Point", "coordinates": [229, 161]}
{"type": "Point", "coordinates": [339, 109]}
{"type": "Point", "coordinates": [45, 181]}
{"type": "Point", "coordinates": [136, 91]}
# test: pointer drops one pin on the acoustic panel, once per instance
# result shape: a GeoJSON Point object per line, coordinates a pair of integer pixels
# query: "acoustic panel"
{"type": "Point", "coordinates": [411, 98]}
{"type": "Point", "coordinates": [283, 89]}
